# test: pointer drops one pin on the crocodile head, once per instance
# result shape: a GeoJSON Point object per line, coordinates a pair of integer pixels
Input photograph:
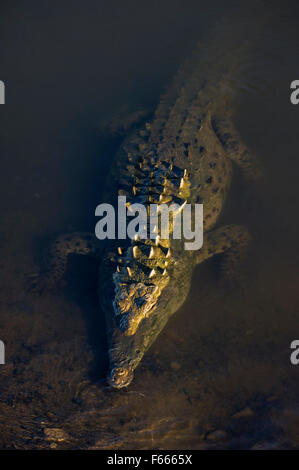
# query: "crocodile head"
{"type": "Point", "coordinates": [134, 305]}
{"type": "Point", "coordinates": [137, 300]}
{"type": "Point", "coordinates": [145, 311]}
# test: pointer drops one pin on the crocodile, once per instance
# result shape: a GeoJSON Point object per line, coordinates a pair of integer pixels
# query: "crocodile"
{"type": "Point", "coordinates": [185, 153]}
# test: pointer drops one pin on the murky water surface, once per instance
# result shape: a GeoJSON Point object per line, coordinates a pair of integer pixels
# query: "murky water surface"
{"type": "Point", "coordinates": [219, 375]}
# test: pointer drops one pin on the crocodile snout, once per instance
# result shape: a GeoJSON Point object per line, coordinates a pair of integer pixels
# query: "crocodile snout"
{"type": "Point", "coordinates": [120, 377]}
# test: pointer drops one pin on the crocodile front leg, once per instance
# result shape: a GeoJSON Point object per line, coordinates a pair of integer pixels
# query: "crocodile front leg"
{"type": "Point", "coordinates": [82, 243]}
{"type": "Point", "coordinates": [235, 148]}
{"type": "Point", "coordinates": [232, 241]}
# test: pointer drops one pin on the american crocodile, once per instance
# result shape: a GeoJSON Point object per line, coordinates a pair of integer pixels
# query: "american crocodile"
{"type": "Point", "coordinates": [184, 154]}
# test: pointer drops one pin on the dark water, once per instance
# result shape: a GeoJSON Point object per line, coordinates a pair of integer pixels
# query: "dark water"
{"type": "Point", "coordinates": [69, 67]}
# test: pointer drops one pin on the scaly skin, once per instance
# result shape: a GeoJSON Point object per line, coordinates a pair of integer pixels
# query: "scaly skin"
{"type": "Point", "coordinates": [184, 154]}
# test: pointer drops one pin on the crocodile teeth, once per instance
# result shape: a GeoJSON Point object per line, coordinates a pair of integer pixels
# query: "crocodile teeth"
{"type": "Point", "coordinates": [152, 253]}
{"type": "Point", "coordinates": [136, 252]}
{"type": "Point", "coordinates": [185, 173]}
{"type": "Point", "coordinates": [168, 253]}
{"type": "Point", "coordinates": [120, 251]}
{"type": "Point", "coordinates": [165, 198]}
{"type": "Point", "coordinates": [164, 272]}
{"type": "Point", "coordinates": [157, 240]}
{"type": "Point", "coordinates": [183, 205]}
{"type": "Point", "coordinates": [129, 271]}
{"type": "Point", "coordinates": [155, 229]}
{"type": "Point", "coordinates": [134, 190]}
{"type": "Point", "coordinates": [128, 205]}
{"type": "Point", "coordinates": [182, 183]}
{"type": "Point", "coordinates": [136, 237]}
{"type": "Point", "coordinates": [152, 273]}
{"type": "Point", "coordinates": [118, 269]}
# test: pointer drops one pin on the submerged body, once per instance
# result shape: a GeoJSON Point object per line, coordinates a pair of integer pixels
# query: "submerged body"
{"type": "Point", "coordinates": [184, 154]}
